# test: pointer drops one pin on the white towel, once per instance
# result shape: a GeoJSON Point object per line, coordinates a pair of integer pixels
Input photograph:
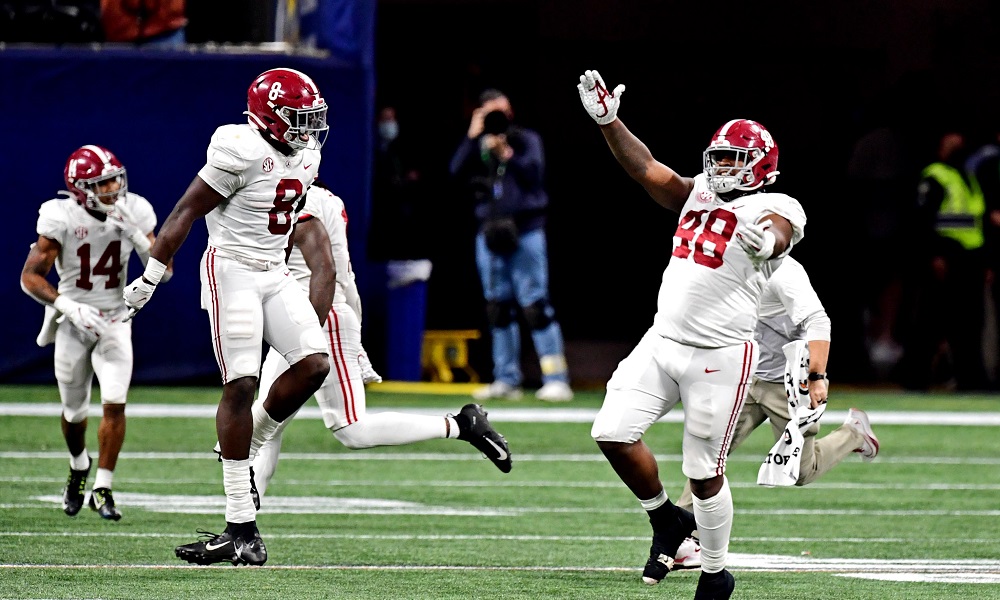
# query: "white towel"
{"type": "Point", "coordinates": [781, 466]}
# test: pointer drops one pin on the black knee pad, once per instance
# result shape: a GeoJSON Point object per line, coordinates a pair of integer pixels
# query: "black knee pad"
{"type": "Point", "coordinates": [539, 315]}
{"type": "Point", "coordinates": [500, 314]}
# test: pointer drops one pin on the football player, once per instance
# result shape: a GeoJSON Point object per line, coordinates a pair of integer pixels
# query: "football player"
{"type": "Point", "coordinates": [255, 177]}
{"type": "Point", "coordinates": [342, 397]}
{"type": "Point", "coordinates": [89, 237]}
{"type": "Point", "coordinates": [700, 349]}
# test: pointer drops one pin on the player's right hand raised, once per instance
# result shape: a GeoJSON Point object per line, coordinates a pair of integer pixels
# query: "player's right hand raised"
{"type": "Point", "coordinates": [601, 104]}
{"type": "Point", "coordinates": [136, 295]}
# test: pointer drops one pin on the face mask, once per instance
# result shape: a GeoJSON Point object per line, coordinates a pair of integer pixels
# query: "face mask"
{"type": "Point", "coordinates": [388, 130]}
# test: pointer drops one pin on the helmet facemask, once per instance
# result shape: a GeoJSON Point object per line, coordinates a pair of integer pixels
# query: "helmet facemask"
{"type": "Point", "coordinates": [307, 127]}
{"type": "Point", "coordinates": [94, 196]}
{"type": "Point", "coordinates": [737, 173]}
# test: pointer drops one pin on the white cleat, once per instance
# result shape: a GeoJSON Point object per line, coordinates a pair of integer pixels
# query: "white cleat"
{"type": "Point", "coordinates": [858, 421]}
{"type": "Point", "coordinates": [555, 391]}
{"type": "Point", "coordinates": [688, 554]}
{"type": "Point", "coordinates": [498, 390]}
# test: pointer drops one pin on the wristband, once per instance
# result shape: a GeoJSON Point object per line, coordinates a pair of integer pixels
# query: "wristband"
{"type": "Point", "coordinates": [817, 376]}
{"type": "Point", "coordinates": [154, 271]}
{"type": "Point", "coordinates": [63, 304]}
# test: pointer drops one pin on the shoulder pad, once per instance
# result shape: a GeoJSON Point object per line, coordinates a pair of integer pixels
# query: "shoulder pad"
{"type": "Point", "coordinates": [234, 147]}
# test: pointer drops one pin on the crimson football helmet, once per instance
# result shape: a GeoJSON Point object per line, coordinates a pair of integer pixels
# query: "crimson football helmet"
{"type": "Point", "coordinates": [88, 169]}
{"type": "Point", "coordinates": [754, 156]}
{"type": "Point", "coordinates": [287, 107]}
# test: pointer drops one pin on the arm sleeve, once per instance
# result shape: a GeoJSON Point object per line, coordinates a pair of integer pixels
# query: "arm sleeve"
{"type": "Point", "coordinates": [791, 283]}
{"type": "Point", "coordinates": [468, 148]}
{"type": "Point", "coordinates": [528, 164]}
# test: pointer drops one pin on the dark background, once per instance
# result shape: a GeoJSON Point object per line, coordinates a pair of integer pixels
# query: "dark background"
{"type": "Point", "coordinates": [817, 75]}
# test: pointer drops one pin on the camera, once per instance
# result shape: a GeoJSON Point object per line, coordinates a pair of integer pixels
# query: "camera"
{"type": "Point", "coordinates": [496, 122]}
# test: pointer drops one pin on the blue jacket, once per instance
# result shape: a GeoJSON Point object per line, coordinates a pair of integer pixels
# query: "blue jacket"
{"type": "Point", "coordinates": [521, 187]}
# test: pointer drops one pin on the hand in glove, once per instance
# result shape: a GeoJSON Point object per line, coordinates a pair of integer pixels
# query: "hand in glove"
{"type": "Point", "coordinates": [121, 218]}
{"type": "Point", "coordinates": [84, 317]}
{"type": "Point", "coordinates": [368, 374]}
{"type": "Point", "coordinates": [136, 295]}
{"type": "Point", "coordinates": [756, 241]}
{"type": "Point", "coordinates": [600, 104]}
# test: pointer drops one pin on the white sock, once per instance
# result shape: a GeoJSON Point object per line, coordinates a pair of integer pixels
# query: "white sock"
{"type": "Point", "coordinates": [103, 479]}
{"type": "Point", "coordinates": [263, 428]}
{"type": "Point", "coordinates": [391, 429]}
{"type": "Point", "coordinates": [236, 481]}
{"type": "Point", "coordinates": [452, 427]}
{"type": "Point", "coordinates": [655, 502]}
{"type": "Point", "coordinates": [266, 462]}
{"type": "Point", "coordinates": [714, 517]}
{"type": "Point", "coordinates": [80, 461]}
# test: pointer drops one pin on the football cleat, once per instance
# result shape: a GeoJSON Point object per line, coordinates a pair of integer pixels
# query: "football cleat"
{"type": "Point", "coordinates": [239, 549]}
{"type": "Point", "coordinates": [254, 495]}
{"type": "Point", "coordinates": [473, 427]}
{"type": "Point", "coordinates": [858, 421]}
{"type": "Point", "coordinates": [73, 492]}
{"type": "Point", "coordinates": [671, 544]}
{"type": "Point", "coordinates": [688, 554]}
{"type": "Point", "coordinates": [715, 586]}
{"type": "Point", "coordinates": [103, 503]}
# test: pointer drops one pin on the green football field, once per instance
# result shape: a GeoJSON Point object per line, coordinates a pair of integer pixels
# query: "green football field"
{"type": "Point", "coordinates": [437, 520]}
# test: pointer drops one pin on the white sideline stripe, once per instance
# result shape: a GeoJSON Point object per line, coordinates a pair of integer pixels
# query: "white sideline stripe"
{"type": "Point", "coordinates": [453, 456]}
{"type": "Point", "coordinates": [507, 415]}
{"type": "Point", "coordinates": [519, 484]}
{"type": "Point", "coordinates": [515, 484]}
{"type": "Point", "coordinates": [509, 538]}
{"type": "Point", "coordinates": [984, 571]}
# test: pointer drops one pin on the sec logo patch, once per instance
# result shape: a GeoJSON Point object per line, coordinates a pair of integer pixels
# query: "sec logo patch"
{"type": "Point", "coordinates": [268, 165]}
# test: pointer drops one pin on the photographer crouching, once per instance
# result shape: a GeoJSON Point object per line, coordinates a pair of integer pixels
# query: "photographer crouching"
{"type": "Point", "coordinates": [502, 168]}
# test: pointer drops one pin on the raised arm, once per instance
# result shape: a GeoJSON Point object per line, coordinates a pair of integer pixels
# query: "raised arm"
{"type": "Point", "coordinates": [660, 181]}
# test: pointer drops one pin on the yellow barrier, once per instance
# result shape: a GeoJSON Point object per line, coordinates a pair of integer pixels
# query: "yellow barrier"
{"type": "Point", "coordinates": [444, 350]}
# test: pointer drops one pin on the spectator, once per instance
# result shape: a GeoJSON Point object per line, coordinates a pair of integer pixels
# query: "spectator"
{"type": "Point", "coordinates": [88, 238]}
{"type": "Point", "coordinates": [944, 342]}
{"type": "Point", "coordinates": [146, 23]}
{"type": "Point", "coordinates": [502, 168]}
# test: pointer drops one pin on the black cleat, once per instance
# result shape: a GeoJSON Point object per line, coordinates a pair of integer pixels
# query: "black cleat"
{"type": "Point", "coordinates": [473, 427]}
{"type": "Point", "coordinates": [103, 502]}
{"type": "Point", "coordinates": [663, 551]}
{"type": "Point", "coordinates": [253, 483]}
{"type": "Point", "coordinates": [253, 491]}
{"type": "Point", "coordinates": [73, 493]}
{"type": "Point", "coordinates": [239, 549]}
{"type": "Point", "coordinates": [715, 586]}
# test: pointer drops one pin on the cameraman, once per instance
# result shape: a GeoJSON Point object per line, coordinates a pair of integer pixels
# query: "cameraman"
{"type": "Point", "coordinates": [502, 167]}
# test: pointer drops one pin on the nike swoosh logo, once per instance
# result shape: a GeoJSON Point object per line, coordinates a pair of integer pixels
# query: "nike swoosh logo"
{"type": "Point", "coordinates": [210, 547]}
{"type": "Point", "coordinates": [307, 166]}
{"type": "Point", "coordinates": [707, 370]}
{"type": "Point", "coordinates": [502, 455]}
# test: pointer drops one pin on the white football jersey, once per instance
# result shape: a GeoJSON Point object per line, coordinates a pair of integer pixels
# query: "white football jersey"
{"type": "Point", "coordinates": [788, 308]}
{"type": "Point", "coordinates": [263, 188]}
{"type": "Point", "coordinates": [328, 208]}
{"type": "Point", "coordinates": [710, 290]}
{"type": "Point", "coordinates": [94, 257]}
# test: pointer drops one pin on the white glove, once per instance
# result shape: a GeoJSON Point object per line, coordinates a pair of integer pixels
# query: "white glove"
{"type": "Point", "coordinates": [121, 219]}
{"type": "Point", "coordinates": [756, 241]}
{"type": "Point", "coordinates": [602, 105]}
{"type": "Point", "coordinates": [368, 374]}
{"type": "Point", "coordinates": [84, 317]}
{"type": "Point", "coordinates": [136, 295]}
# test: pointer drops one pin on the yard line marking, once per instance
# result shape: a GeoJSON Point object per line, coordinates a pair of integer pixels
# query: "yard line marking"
{"type": "Point", "coordinates": [448, 456]}
{"type": "Point", "coordinates": [506, 414]}
{"type": "Point", "coordinates": [486, 537]}
{"type": "Point", "coordinates": [325, 505]}
{"type": "Point", "coordinates": [381, 483]}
